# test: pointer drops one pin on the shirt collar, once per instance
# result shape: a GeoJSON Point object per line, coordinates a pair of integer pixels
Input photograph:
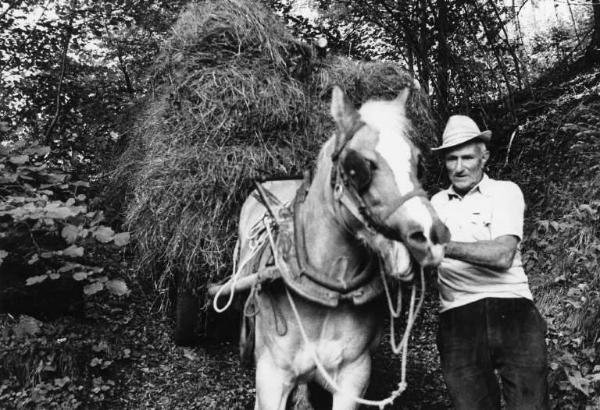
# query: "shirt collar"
{"type": "Point", "coordinates": [481, 187]}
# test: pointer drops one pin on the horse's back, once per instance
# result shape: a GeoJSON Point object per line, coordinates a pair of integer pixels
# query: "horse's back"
{"type": "Point", "coordinates": [253, 210]}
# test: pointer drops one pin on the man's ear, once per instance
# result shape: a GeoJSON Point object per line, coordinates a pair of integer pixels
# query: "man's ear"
{"type": "Point", "coordinates": [485, 156]}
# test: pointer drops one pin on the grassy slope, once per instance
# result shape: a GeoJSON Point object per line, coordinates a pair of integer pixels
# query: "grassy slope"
{"type": "Point", "coordinates": [555, 158]}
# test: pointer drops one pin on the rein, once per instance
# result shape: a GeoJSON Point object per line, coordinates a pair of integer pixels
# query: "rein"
{"type": "Point", "coordinates": [403, 347]}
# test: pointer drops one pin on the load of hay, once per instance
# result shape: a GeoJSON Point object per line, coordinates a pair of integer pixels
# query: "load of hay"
{"type": "Point", "coordinates": [235, 97]}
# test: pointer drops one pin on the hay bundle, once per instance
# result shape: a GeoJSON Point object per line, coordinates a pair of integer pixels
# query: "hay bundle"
{"type": "Point", "coordinates": [235, 98]}
{"type": "Point", "coordinates": [382, 79]}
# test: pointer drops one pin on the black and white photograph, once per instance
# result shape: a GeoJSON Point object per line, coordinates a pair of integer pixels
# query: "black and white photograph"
{"type": "Point", "coordinates": [300, 204]}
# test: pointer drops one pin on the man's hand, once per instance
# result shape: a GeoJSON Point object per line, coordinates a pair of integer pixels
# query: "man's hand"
{"type": "Point", "coordinates": [496, 254]}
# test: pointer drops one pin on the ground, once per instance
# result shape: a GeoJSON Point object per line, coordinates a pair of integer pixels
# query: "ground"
{"type": "Point", "coordinates": [144, 369]}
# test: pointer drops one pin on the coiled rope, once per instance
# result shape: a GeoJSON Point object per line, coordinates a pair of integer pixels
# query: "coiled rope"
{"type": "Point", "coordinates": [257, 239]}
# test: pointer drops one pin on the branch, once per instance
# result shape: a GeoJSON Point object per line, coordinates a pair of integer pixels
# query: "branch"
{"type": "Point", "coordinates": [573, 20]}
{"type": "Point", "coordinates": [581, 41]}
{"type": "Point", "coordinates": [507, 42]}
{"type": "Point", "coordinates": [33, 30]}
{"type": "Point", "coordinates": [69, 33]}
{"type": "Point", "coordinates": [122, 65]}
{"type": "Point", "coordinates": [490, 39]}
{"type": "Point", "coordinates": [476, 41]}
{"type": "Point", "coordinates": [411, 42]}
{"type": "Point", "coordinates": [521, 8]}
{"type": "Point", "coordinates": [9, 8]}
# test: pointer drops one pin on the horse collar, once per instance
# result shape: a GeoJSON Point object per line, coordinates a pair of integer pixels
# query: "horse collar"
{"type": "Point", "coordinates": [321, 287]}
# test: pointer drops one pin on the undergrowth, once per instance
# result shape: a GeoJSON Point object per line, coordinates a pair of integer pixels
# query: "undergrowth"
{"type": "Point", "coordinates": [555, 158]}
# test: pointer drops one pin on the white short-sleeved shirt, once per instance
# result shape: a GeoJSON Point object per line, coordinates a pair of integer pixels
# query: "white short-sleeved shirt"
{"type": "Point", "coordinates": [489, 210]}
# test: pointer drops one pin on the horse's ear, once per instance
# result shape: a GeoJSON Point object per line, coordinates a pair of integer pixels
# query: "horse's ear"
{"type": "Point", "coordinates": [343, 112]}
{"type": "Point", "coordinates": [403, 97]}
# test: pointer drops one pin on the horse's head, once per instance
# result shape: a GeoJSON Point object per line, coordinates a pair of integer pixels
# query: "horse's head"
{"type": "Point", "coordinates": [375, 161]}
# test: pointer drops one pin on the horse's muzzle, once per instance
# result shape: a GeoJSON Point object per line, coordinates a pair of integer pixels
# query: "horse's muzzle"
{"type": "Point", "coordinates": [428, 247]}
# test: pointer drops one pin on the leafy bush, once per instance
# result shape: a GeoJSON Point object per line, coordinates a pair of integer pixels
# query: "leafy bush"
{"type": "Point", "coordinates": [49, 234]}
{"type": "Point", "coordinates": [555, 159]}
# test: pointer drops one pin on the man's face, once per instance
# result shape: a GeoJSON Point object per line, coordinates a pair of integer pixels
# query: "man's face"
{"type": "Point", "coordinates": [465, 165]}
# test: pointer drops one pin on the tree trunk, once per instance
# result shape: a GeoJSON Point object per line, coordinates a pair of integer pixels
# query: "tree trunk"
{"type": "Point", "coordinates": [592, 54]}
{"type": "Point", "coordinates": [68, 34]}
{"type": "Point", "coordinates": [443, 58]}
{"type": "Point", "coordinates": [425, 72]}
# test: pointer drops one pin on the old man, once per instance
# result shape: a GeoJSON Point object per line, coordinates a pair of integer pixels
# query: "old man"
{"type": "Point", "coordinates": [489, 325]}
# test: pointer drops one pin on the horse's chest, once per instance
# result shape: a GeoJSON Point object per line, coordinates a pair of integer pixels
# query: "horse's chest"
{"type": "Point", "coordinates": [336, 338]}
{"type": "Point", "coordinates": [332, 354]}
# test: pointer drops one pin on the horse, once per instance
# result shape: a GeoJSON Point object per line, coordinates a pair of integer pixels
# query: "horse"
{"type": "Point", "coordinates": [362, 211]}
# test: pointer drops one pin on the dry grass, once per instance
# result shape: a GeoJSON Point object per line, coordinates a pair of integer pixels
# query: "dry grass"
{"type": "Point", "coordinates": [235, 97]}
{"type": "Point", "coordinates": [383, 80]}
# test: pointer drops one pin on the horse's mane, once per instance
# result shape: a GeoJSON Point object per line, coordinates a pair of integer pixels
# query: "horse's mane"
{"type": "Point", "coordinates": [381, 115]}
{"type": "Point", "coordinates": [385, 117]}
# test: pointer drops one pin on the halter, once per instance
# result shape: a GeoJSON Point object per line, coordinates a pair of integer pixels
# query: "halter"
{"type": "Point", "coordinates": [345, 194]}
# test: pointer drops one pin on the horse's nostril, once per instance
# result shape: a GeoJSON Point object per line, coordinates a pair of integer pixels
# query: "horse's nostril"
{"type": "Point", "coordinates": [440, 234]}
{"type": "Point", "coordinates": [417, 237]}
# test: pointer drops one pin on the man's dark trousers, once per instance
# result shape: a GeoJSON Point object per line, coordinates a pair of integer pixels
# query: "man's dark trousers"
{"type": "Point", "coordinates": [490, 334]}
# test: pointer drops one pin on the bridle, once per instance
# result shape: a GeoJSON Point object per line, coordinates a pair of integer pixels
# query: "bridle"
{"type": "Point", "coordinates": [345, 194]}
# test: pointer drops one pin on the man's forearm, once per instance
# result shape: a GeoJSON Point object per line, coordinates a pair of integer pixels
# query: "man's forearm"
{"type": "Point", "coordinates": [496, 254]}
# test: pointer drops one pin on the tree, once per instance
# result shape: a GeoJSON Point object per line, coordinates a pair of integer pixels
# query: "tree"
{"type": "Point", "coordinates": [592, 53]}
{"type": "Point", "coordinates": [68, 68]}
{"type": "Point", "coordinates": [460, 51]}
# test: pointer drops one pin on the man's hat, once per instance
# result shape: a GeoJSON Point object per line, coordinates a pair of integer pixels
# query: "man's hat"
{"type": "Point", "coordinates": [461, 129]}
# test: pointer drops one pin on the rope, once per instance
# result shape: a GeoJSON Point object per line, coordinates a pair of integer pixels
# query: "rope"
{"type": "Point", "coordinates": [256, 240]}
{"type": "Point", "coordinates": [393, 312]}
{"type": "Point", "coordinates": [377, 403]}
{"type": "Point", "coordinates": [410, 321]}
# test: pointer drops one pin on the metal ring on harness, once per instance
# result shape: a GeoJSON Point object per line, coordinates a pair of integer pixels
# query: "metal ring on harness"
{"type": "Point", "coordinates": [251, 302]}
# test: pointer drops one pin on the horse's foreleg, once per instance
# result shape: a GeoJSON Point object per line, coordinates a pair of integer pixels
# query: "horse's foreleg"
{"type": "Point", "coordinates": [353, 380]}
{"type": "Point", "coordinates": [273, 384]}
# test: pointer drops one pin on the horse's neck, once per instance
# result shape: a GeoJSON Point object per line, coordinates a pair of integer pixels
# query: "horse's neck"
{"type": "Point", "coordinates": [325, 238]}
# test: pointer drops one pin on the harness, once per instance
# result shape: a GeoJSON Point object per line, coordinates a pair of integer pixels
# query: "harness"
{"type": "Point", "coordinates": [278, 251]}
{"type": "Point", "coordinates": [311, 284]}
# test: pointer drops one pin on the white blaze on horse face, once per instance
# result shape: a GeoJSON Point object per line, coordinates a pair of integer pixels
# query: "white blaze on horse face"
{"type": "Point", "coordinates": [388, 118]}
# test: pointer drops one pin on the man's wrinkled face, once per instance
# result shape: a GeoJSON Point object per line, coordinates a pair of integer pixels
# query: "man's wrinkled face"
{"type": "Point", "coordinates": [465, 165]}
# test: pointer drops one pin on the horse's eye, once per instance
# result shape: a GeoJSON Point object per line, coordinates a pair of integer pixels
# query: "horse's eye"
{"type": "Point", "coordinates": [359, 170]}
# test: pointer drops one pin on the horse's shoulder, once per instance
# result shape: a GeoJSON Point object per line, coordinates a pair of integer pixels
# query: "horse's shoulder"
{"type": "Point", "coordinates": [253, 210]}
{"type": "Point", "coordinates": [283, 189]}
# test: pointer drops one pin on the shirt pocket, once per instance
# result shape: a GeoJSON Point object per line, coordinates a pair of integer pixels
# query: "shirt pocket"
{"type": "Point", "coordinates": [480, 225]}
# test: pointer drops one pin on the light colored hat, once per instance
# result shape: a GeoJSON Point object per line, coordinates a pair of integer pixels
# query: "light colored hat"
{"type": "Point", "coordinates": [461, 129]}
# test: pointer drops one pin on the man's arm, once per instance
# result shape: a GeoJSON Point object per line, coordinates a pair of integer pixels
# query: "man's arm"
{"type": "Point", "coordinates": [496, 254]}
